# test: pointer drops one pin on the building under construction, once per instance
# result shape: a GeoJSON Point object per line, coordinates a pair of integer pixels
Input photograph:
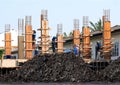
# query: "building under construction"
{"type": "Point", "coordinates": [85, 40]}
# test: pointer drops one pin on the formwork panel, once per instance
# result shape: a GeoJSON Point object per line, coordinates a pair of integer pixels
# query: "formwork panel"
{"type": "Point", "coordinates": [28, 38]}
{"type": "Point", "coordinates": [7, 43]}
{"type": "Point", "coordinates": [20, 47]}
{"type": "Point", "coordinates": [21, 39]}
{"type": "Point", "coordinates": [76, 37]}
{"type": "Point", "coordinates": [45, 36]}
{"type": "Point", "coordinates": [60, 43]}
{"type": "Point", "coordinates": [107, 40]}
{"type": "Point", "coordinates": [86, 43]}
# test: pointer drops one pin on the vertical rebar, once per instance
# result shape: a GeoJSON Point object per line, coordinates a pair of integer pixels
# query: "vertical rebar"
{"type": "Point", "coordinates": [20, 27]}
{"type": "Point", "coordinates": [85, 21]}
{"type": "Point", "coordinates": [7, 27]}
{"type": "Point", "coordinates": [106, 14]}
{"type": "Point", "coordinates": [76, 23]}
{"type": "Point", "coordinates": [28, 20]}
{"type": "Point", "coordinates": [59, 29]}
{"type": "Point", "coordinates": [44, 13]}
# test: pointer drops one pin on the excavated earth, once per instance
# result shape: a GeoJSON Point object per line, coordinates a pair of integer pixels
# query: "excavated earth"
{"type": "Point", "coordinates": [111, 72]}
{"type": "Point", "coordinates": [63, 67]}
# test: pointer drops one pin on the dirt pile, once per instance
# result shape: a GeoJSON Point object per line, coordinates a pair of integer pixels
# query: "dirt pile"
{"type": "Point", "coordinates": [63, 67]}
{"type": "Point", "coordinates": [53, 68]}
{"type": "Point", "coordinates": [111, 72]}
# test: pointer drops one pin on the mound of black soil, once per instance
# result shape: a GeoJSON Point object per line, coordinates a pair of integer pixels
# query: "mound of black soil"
{"type": "Point", "coordinates": [63, 67]}
{"type": "Point", "coordinates": [111, 72]}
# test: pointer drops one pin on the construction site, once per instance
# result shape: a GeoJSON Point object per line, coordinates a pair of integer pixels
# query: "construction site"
{"type": "Point", "coordinates": [58, 65]}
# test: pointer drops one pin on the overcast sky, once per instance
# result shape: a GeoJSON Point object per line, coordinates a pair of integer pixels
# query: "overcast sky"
{"type": "Point", "coordinates": [59, 11]}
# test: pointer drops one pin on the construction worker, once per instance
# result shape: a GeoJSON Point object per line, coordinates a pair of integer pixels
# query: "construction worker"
{"type": "Point", "coordinates": [36, 52]}
{"type": "Point", "coordinates": [53, 44]}
{"type": "Point", "coordinates": [34, 35]}
{"type": "Point", "coordinates": [33, 38]}
{"type": "Point", "coordinates": [76, 50]}
{"type": "Point", "coordinates": [97, 48]}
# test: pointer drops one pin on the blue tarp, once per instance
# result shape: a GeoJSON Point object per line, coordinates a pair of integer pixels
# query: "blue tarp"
{"type": "Point", "coordinates": [68, 51]}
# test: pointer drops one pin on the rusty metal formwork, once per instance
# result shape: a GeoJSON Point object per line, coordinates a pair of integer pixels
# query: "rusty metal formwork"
{"type": "Point", "coordinates": [76, 33]}
{"type": "Point", "coordinates": [59, 38]}
{"type": "Point", "coordinates": [107, 47]}
{"type": "Point", "coordinates": [20, 39]}
{"type": "Point", "coordinates": [86, 50]}
{"type": "Point", "coordinates": [28, 38]}
{"type": "Point", "coordinates": [45, 38]}
{"type": "Point", "coordinates": [7, 40]}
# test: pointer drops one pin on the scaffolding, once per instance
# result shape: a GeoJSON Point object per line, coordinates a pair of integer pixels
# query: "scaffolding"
{"type": "Point", "coordinates": [76, 33]}
{"type": "Point", "coordinates": [45, 38]}
{"type": "Point", "coordinates": [107, 47]}
{"type": "Point", "coordinates": [86, 39]}
{"type": "Point", "coordinates": [28, 38]}
{"type": "Point", "coordinates": [59, 38]}
{"type": "Point", "coordinates": [7, 40]}
{"type": "Point", "coordinates": [20, 39]}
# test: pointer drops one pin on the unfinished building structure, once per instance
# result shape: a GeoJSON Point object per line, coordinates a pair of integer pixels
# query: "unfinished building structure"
{"type": "Point", "coordinates": [76, 33]}
{"type": "Point", "coordinates": [7, 41]}
{"type": "Point", "coordinates": [86, 49]}
{"type": "Point", "coordinates": [21, 39]}
{"type": "Point", "coordinates": [59, 39]}
{"type": "Point", "coordinates": [107, 35]}
{"type": "Point", "coordinates": [45, 38]}
{"type": "Point", "coordinates": [28, 38]}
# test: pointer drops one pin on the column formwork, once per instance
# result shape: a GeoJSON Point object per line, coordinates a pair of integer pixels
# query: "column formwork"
{"type": "Point", "coordinates": [7, 40]}
{"type": "Point", "coordinates": [44, 38]}
{"type": "Point", "coordinates": [86, 49]}
{"type": "Point", "coordinates": [60, 41]}
{"type": "Point", "coordinates": [76, 33]}
{"type": "Point", "coordinates": [21, 39]}
{"type": "Point", "coordinates": [28, 38]}
{"type": "Point", "coordinates": [107, 44]}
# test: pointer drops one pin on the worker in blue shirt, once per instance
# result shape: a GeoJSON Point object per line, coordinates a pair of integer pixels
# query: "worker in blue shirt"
{"type": "Point", "coordinates": [76, 50]}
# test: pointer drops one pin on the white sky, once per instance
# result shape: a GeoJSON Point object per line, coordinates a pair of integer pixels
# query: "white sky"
{"type": "Point", "coordinates": [59, 11]}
